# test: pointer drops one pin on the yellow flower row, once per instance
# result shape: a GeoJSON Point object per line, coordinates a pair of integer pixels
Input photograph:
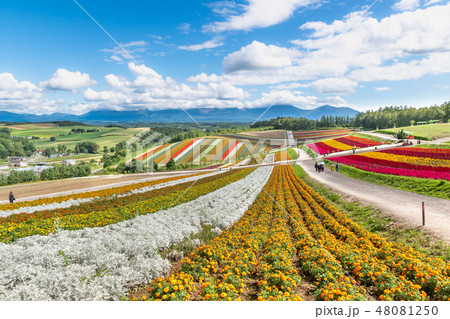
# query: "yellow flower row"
{"type": "Point", "coordinates": [376, 262]}
{"type": "Point", "coordinates": [338, 145]}
{"type": "Point", "coordinates": [343, 260]}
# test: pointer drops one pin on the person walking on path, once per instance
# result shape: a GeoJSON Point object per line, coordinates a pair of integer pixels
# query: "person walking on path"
{"type": "Point", "coordinates": [337, 167]}
{"type": "Point", "coordinates": [11, 197]}
{"type": "Point", "coordinates": [354, 149]}
{"type": "Point", "coordinates": [332, 168]}
{"type": "Point", "coordinates": [316, 166]}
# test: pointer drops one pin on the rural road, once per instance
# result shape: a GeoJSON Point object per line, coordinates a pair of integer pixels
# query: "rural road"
{"type": "Point", "coordinates": [403, 206]}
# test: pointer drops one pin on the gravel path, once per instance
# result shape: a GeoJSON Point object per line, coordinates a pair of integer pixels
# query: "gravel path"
{"type": "Point", "coordinates": [438, 141]}
{"type": "Point", "coordinates": [402, 205]}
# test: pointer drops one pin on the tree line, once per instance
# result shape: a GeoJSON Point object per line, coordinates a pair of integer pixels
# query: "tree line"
{"type": "Point", "coordinates": [56, 172]}
{"type": "Point", "coordinates": [297, 124]}
{"type": "Point", "coordinates": [13, 145]}
{"type": "Point", "coordinates": [386, 117]}
{"type": "Point", "coordinates": [398, 116]}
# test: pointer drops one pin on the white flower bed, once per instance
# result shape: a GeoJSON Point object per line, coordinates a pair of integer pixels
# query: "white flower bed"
{"type": "Point", "coordinates": [270, 158]}
{"type": "Point", "coordinates": [76, 202]}
{"type": "Point", "coordinates": [243, 162]}
{"type": "Point", "coordinates": [99, 263]}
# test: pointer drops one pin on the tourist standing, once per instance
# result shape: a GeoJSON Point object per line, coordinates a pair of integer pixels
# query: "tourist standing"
{"type": "Point", "coordinates": [11, 197]}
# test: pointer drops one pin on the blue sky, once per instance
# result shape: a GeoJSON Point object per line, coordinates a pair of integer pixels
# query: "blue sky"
{"type": "Point", "coordinates": [361, 54]}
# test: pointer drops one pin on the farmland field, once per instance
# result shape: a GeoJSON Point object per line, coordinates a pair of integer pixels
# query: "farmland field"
{"type": "Point", "coordinates": [320, 134]}
{"type": "Point", "coordinates": [428, 131]}
{"type": "Point", "coordinates": [108, 136]}
{"type": "Point", "coordinates": [274, 134]}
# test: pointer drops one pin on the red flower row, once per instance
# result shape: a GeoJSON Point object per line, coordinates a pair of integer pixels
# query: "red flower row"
{"type": "Point", "coordinates": [421, 152]}
{"type": "Point", "coordinates": [422, 172]}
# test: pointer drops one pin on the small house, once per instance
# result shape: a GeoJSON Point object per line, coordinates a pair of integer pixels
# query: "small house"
{"type": "Point", "coordinates": [17, 161]}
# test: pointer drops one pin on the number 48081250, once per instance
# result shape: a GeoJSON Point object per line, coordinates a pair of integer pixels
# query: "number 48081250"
{"type": "Point", "coordinates": [407, 310]}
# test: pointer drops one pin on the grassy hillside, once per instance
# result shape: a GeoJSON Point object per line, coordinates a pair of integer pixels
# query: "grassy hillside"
{"type": "Point", "coordinates": [428, 131]}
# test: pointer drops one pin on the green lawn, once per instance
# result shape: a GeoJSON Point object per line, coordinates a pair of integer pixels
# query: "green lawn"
{"type": "Point", "coordinates": [427, 131]}
{"type": "Point", "coordinates": [292, 154]}
{"type": "Point", "coordinates": [444, 146]}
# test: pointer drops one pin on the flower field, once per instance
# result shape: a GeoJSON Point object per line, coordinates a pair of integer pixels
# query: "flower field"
{"type": "Point", "coordinates": [111, 210]}
{"type": "Point", "coordinates": [43, 203]}
{"type": "Point", "coordinates": [276, 237]}
{"type": "Point", "coordinates": [406, 161]}
{"type": "Point", "coordinates": [341, 144]}
{"type": "Point", "coordinates": [206, 150]}
{"type": "Point", "coordinates": [320, 134]}
{"type": "Point", "coordinates": [291, 234]}
{"type": "Point", "coordinates": [100, 263]}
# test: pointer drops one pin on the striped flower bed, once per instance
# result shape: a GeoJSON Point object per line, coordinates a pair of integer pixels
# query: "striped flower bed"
{"type": "Point", "coordinates": [414, 162]}
{"type": "Point", "coordinates": [319, 134]}
{"type": "Point", "coordinates": [205, 150]}
{"type": "Point", "coordinates": [341, 144]}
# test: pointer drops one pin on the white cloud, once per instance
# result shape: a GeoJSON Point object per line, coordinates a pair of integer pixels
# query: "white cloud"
{"type": "Point", "coordinates": [143, 92]}
{"type": "Point", "coordinates": [257, 55]}
{"type": "Point", "coordinates": [285, 86]}
{"type": "Point", "coordinates": [335, 86]}
{"type": "Point", "coordinates": [382, 88]}
{"type": "Point", "coordinates": [413, 39]}
{"type": "Point", "coordinates": [436, 63]}
{"type": "Point", "coordinates": [295, 98]}
{"type": "Point", "coordinates": [184, 28]}
{"type": "Point", "coordinates": [132, 50]}
{"type": "Point", "coordinates": [24, 97]}
{"type": "Point", "coordinates": [66, 80]}
{"type": "Point", "coordinates": [405, 5]}
{"type": "Point", "coordinates": [214, 43]}
{"type": "Point", "coordinates": [430, 2]}
{"type": "Point", "coordinates": [257, 14]}
{"type": "Point", "coordinates": [375, 46]}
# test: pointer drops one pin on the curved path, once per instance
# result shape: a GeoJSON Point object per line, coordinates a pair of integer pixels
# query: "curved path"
{"type": "Point", "coordinates": [402, 205]}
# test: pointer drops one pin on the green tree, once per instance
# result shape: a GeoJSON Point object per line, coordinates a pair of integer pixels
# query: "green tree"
{"type": "Point", "coordinates": [171, 165]}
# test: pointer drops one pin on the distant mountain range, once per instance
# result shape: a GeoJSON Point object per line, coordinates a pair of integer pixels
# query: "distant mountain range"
{"type": "Point", "coordinates": [205, 115]}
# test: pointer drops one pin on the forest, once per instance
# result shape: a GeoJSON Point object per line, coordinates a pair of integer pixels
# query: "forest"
{"type": "Point", "coordinates": [387, 117]}
{"type": "Point", "coordinates": [14, 146]}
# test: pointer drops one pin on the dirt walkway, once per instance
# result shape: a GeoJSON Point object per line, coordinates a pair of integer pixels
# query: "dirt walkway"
{"type": "Point", "coordinates": [438, 141]}
{"type": "Point", "coordinates": [402, 205]}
